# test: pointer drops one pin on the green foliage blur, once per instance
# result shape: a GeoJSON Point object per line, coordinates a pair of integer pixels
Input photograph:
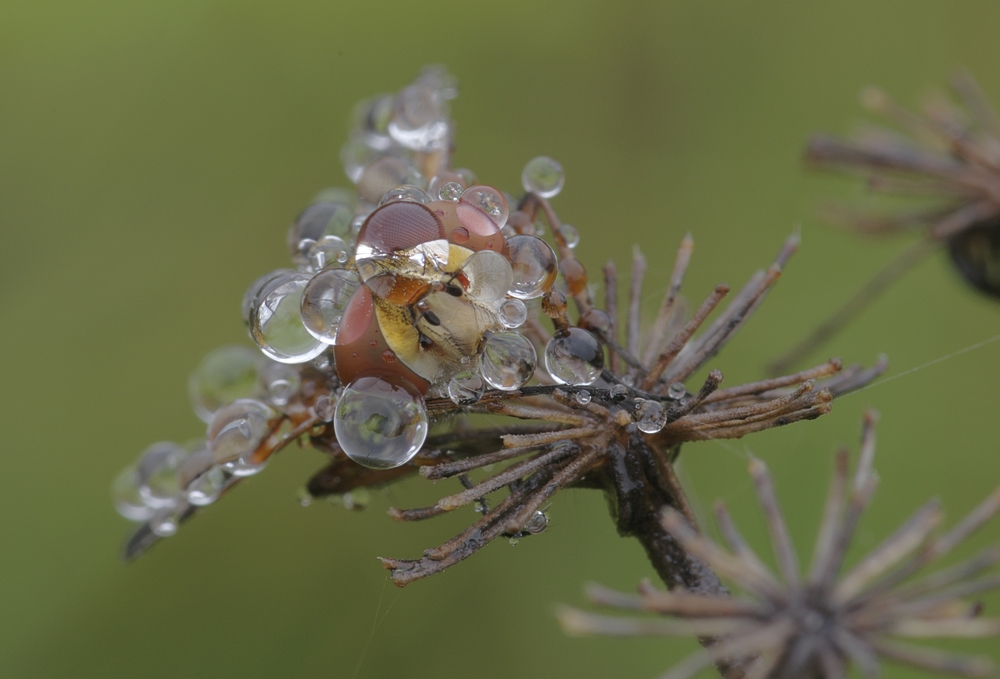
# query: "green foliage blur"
{"type": "Point", "coordinates": [152, 155]}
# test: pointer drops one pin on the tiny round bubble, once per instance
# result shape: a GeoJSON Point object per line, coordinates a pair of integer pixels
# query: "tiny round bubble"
{"type": "Point", "coordinates": [276, 323]}
{"type": "Point", "coordinates": [224, 375]}
{"type": "Point", "coordinates": [451, 191]}
{"type": "Point", "coordinates": [125, 493]}
{"type": "Point", "coordinates": [508, 361]}
{"type": "Point", "coordinates": [237, 429]}
{"type": "Point", "coordinates": [513, 313]}
{"type": "Point", "coordinates": [380, 423]}
{"type": "Point", "coordinates": [574, 357]}
{"type": "Point", "coordinates": [324, 300]}
{"type": "Point", "coordinates": [676, 391]}
{"type": "Point", "coordinates": [544, 176]}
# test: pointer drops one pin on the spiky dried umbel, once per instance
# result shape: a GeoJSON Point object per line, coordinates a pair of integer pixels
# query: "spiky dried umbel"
{"type": "Point", "coordinates": [951, 158]}
{"type": "Point", "coordinates": [820, 624]}
{"type": "Point", "coordinates": [596, 441]}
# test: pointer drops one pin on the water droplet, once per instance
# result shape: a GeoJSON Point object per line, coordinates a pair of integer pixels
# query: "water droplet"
{"type": "Point", "coordinates": [514, 540]}
{"type": "Point", "coordinates": [618, 392]}
{"type": "Point", "coordinates": [533, 263]}
{"type": "Point", "coordinates": [314, 223]}
{"type": "Point", "coordinates": [490, 201]}
{"type": "Point", "coordinates": [628, 381]}
{"type": "Point", "coordinates": [451, 191]}
{"type": "Point", "coordinates": [356, 154]}
{"type": "Point", "coordinates": [420, 119]}
{"type": "Point", "coordinates": [513, 313]}
{"type": "Point", "coordinates": [380, 423]}
{"type": "Point", "coordinates": [570, 235]}
{"type": "Point", "coordinates": [237, 429]}
{"type": "Point", "coordinates": [254, 290]}
{"type": "Point", "coordinates": [280, 382]}
{"type": "Point", "coordinates": [508, 361]}
{"type": "Point", "coordinates": [677, 391]}
{"type": "Point", "coordinates": [466, 388]}
{"type": "Point", "coordinates": [325, 407]}
{"type": "Point", "coordinates": [583, 397]}
{"type": "Point", "coordinates": [224, 375]}
{"type": "Point", "coordinates": [537, 523]}
{"type": "Point", "coordinates": [304, 497]}
{"type": "Point", "coordinates": [650, 416]}
{"type": "Point", "coordinates": [206, 488]}
{"type": "Point", "coordinates": [574, 357]}
{"type": "Point", "coordinates": [125, 493]}
{"type": "Point", "coordinates": [544, 176]}
{"type": "Point", "coordinates": [164, 522]}
{"type": "Point", "coordinates": [332, 251]}
{"type": "Point", "coordinates": [384, 173]}
{"type": "Point", "coordinates": [159, 482]}
{"type": "Point", "coordinates": [406, 194]}
{"type": "Point", "coordinates": [243, 467]}
{"type": "Point", "coordinates": [489, 275]}
{"type": "Point", "coordinates": [323, 302]}
{"type": "Point", "coordinates": [371, 119]}
{"type": "Point", "coordinates": [276, 324]}
{"type": "Point", "coordinates": [357, 500]}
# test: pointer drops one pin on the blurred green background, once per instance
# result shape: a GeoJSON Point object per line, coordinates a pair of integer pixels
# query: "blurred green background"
{"type": "Point", "coordinates": [151, 157]}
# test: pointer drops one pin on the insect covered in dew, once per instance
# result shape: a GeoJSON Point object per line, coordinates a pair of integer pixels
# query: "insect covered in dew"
{"type": "Point", "coordinates": [433, 278]}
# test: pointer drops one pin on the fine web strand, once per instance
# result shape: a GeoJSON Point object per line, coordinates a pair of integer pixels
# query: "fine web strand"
{"type": "Point", "coordinates": [376, 623]}
{"type": "Point", "coordinates": [940, 359]}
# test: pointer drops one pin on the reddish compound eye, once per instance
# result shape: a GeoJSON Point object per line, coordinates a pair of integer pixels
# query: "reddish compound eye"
{"type": "Point", "coordinates": [468, 226]}
{"type": "Point", "coordinates": [400, 226]}
{"type": "Point", "coordinates": [361, 349]}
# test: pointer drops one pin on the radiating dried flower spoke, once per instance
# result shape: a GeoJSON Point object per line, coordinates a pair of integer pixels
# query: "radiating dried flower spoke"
{"type": "Point", "coordinates": [817, 625]}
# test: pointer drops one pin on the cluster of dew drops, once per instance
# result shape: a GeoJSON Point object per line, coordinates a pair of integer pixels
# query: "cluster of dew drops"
{"type": "Point", "coordinates": [294, 315]}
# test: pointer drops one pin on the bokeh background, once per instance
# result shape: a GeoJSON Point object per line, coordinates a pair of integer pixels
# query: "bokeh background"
{"type": "Point", "coordinates": [151, 157]}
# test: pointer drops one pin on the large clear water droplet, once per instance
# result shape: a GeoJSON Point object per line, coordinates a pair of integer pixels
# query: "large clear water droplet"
{"type": "Point", "coordinates": [224, 375]}
{"type": "Point", "coordinates": [324, 300]}
{"type": "Point", "coordinates": [570, 235]}
{"type": "Point", "coordinates": [676, 391]}
{"type": "Point", "coordinates": [466, 388]}
{"type": "Point", "coordinates": [276, 323]}
{"type": "Point", "coordinates": [574, 357]}
{"type": "Point", "coordinates": [544, 176]}
{"type": "Point", "coordinates": [489, 275]}
{"type": "Point", "coordinates": [538, 522]}
{"type": "Point", "coordinates": [650, 416]}
{"type": "Point", "coordinates": [490, 201]}
{"type": "Point", "coordinates": [250, 296]}
{"type": "Point", "coordinates": [237, 429]}
{"type": "Point", "coordinates": [534, 265]}
{"type": "Point", "coordinates": [508, 361]}
{"type": "Point", "coordinates": [157, 472]}
{"type": "Point", "coordinates": [380, 423]}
